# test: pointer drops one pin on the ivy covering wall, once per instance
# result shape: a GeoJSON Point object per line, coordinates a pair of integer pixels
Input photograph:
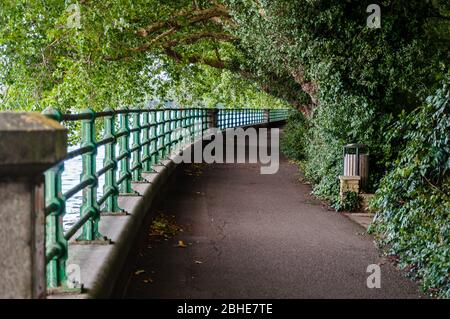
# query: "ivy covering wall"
{"type": "Point", "coordinates": [385, 88]}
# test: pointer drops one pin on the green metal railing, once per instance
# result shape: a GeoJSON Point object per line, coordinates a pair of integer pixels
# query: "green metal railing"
{"type": "Point", "coordinates": [278, 115]}
{"type": "Point", "coordinates": [134, 141]}
{"type": "Point", "coordinates": [228, 118]}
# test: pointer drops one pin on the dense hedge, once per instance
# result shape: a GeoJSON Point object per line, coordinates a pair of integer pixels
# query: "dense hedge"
{"type": "Point", "coordinates": [413, 200]}
{"type": "Point", "coordinates": [294, 141]}
{"type": "Point", "coordinates": [368, 86]}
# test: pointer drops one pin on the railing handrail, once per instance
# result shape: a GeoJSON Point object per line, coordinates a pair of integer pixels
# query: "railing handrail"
{"type": "Point", "coordinates": [70, 117]}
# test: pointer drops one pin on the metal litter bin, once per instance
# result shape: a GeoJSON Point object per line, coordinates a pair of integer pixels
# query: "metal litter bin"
{"type": "Point", "coordinates": [356, 162]}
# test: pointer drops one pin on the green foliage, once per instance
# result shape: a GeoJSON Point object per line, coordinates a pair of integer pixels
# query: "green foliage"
{"type": "Point", "coordinates": [414, 200]}
{"type": "Point", "coordinates": [209, 87]}
{"type": "Point", "coordinates": [108, 62]}
{"type": "Point", "coordinates": [294, 138]}
{"type": "Point", "coordinates": [367, 82]}
{"type": "Point", "coordinates": [351, 202]}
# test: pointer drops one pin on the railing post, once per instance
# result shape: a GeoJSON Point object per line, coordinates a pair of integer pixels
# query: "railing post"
{"type": "Point", "coordinates": [111, 203]}
{"type": "Point", "coordinates": [195, 123]}
{"type": "Point", "coordinates": [55, 242]}
{"type": "Point", "coordinates": [189, 122]}
{"type": "Point", "coordinates": [30, 143]}
{"type": "Point", "coordinates": [89, 207]}
{"type": "Point", "coordinates": [177, 130]}
{"type": "Point", "coordinates": [180, 129]}
{"type": "Point", "coordinates": [213, 118]}
{"type": "Point", "coordinates": [200, 122]}
{"type": "Point", "coordinates": [186, 125]}
{"type": "Point", "coordinates": [161, 134]}
{"type": "Point", "coordinates": [136, 165]}
{"type": "Point", "coordinates": [124, 154]}
{"type": "Point", "coordinates": [153, 138]}
{"type": "Point", "coordinates": [167, 132]}
{"type": "Point", "coordinates": [172, 123]}
{"type": "Point", "coordinates": [146, 158]}
{"type": "Point", "coordinates": [205, 120]}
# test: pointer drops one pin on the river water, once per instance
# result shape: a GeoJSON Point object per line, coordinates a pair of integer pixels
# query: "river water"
{"type": "Point", "coordinates": [71, 177]}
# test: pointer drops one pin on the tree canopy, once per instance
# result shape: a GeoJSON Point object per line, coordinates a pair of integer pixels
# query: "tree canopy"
{"type": "Point", "coordinates": [102, 53]}
{"type": "Point", "coordinates": [120, 52]}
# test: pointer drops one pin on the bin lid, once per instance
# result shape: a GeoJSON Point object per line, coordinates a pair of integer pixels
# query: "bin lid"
{"type": "Point", "coordinates": [361, 147]}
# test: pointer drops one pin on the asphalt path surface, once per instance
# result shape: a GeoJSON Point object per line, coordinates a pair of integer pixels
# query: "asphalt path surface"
{"type": "Point", "coordinates": [249, 235]}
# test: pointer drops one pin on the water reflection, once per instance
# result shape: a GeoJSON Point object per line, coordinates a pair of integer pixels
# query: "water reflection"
{"type": "Point", "coordinates": [71, 177]}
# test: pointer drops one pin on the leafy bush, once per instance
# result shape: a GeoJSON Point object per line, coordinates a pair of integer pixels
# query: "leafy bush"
{"type": "Point", "coordinates": [413, 200]}
{"type": "Point", "coordinates": [294, 138]}
{"type": "Point", "coordinates": [350, 202]}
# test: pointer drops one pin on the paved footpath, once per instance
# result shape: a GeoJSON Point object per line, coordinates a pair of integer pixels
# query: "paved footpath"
{"type": "Point", "coordinates": [258, 236]}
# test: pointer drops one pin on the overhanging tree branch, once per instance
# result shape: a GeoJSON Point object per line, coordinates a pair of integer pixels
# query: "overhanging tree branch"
{"type": "Point", "coordinates": [186, 40]}
{"type": "Point", "coordinates": [195, 37]}
{"type": "Point", "coordinates": [182, 19]}
{"type": "Point", "coordinates": [218, 64]}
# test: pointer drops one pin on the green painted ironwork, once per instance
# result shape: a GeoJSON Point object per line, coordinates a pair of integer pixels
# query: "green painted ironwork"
{"type": "Point", "coordinates": [278, 115]}
{"type": "Point", "coordinates": [136, 164]}
{"type": "Point", "coordinates": [154, 134]}
{"type": "Point", "coordinates": [153, 139]}
{"type": "Point", "coordinates": [229, 118]}
{"type": "Point", "coordinates": [124, 154]}
{"type": "Point", "coordinates": [146, 158]}
{"type": "Point", "coordinates": [55, 243]}
{"type": "Point", "coordinates": [89, 209]}
{"type": "Point", "coordinates": [166, 149]}
{"type": "Point", "coordinates": [110, 189]}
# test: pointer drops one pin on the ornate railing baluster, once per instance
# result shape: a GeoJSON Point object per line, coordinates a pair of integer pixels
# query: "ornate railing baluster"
{"type": "Point", "coordinates": [146, 158]}
{"type": "Point", "coordinates": [124, 154]}
{"type": "Point", "coordinates": [89, 207]}
{"type": "Point", "coordinates": [167, 132]}
{"type": "Point", "coordinates": [110, 187]}
{"type": "Point", "coordinates": [136, 165]}
{"type": "Point", "coordinates": [171, 136]}
{"type": "Point", "coordinates": [153, 139]}
{"type": "Point", "coordinates": [55, 243]}
{"type": "Point", "coordinates": [161, 135]}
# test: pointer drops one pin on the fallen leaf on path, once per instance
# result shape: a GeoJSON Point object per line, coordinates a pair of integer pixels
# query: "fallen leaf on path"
{"type": "Point", "coordinates": [181, 244]}
{"type": "Point", "coordinates": [138, 272]}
